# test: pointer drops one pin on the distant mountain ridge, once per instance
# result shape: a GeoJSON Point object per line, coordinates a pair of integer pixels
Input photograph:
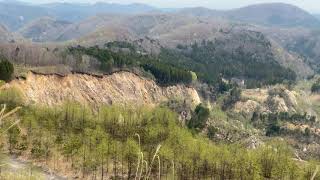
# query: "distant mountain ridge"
{"type": "Point", "coordinates": [76, 12]}
{"type": "Point", "coordinates": [44, 29]}
{"type": "Point", "coordinates": [269, 14]}
{"type": "Point", "coordinates": [17, 14]}
{"type": "Point", "coordinates": [275, 14]}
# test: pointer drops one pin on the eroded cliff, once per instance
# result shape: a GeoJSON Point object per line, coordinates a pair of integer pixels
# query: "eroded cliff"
{"type": "Point", "coordinates": [118, 88]}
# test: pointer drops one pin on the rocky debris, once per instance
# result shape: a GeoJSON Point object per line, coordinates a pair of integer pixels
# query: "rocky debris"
{"type": "Point", "coordinates": [285, 99]}
{"type": "Point", "coordinates": [275, 99]}
{"type": "Point", "coordinates": [277, 104]}
{"type": "Point", "coordinates": [247, 107]}
{"type": "Point", "coordinates": [119, 88]}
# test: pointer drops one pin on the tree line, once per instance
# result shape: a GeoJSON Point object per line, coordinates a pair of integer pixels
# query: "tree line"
{"type": "Point", "coordinates": [109, 59]}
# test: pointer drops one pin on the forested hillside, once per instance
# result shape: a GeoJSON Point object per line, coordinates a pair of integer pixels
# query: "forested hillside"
{"type": "Point", "coordinates": [211, 60]}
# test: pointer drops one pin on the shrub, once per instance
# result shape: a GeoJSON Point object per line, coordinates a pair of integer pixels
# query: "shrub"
{"type": "Point", "coordinates": [212, 132]}
{"type": "Point", "coordinates": [37, 150]}
{"type": "Point", "coordinates": [307, 132]}
{"type": "Point", "coordinates": [273, 128]}
{"type": "Point", "coordinates": [199, 118]}
{"type": "Point", "coordinates": [6, 70]}
{"type": "Point", "coordinates": [316, 87]}
{"type": "Point", "coordinates": [223, 86]}
{"type": "Point", "coordinates": [232, 98]}
{"type": "Point", "coordinates": [194, 76]}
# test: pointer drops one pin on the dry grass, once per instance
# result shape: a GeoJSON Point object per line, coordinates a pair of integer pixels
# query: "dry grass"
{"type": "Point", "coordinates": [259, 95]}
{"type": "Point", "coordinates": [4, 115]}
{"type": "Point", "coordinates": [144, 168]}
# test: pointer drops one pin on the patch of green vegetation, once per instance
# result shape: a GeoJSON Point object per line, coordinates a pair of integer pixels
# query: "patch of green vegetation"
{"type": "Point", "coordinates": [121, 44]}
{"type": "Point", "coordinates": [12, 97]}
{"type": "Point", "coordinates": [118, 141]}
{"type": "Point", "coordinates": [2, 83]}
{"type": "Point", "coordinates": [212, 131]}
{"type": "Point", "coordinates": [273, 122]}
{"type": "Point", "coordinates": [217, 113]}
{"type": "Point", "coordinates": [233, 97]}
{"type": "Point", "coordinates": [199, 118]}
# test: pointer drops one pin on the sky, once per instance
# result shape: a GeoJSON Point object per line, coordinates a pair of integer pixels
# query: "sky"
{"type": "Point", "coordinates": [312, 6]}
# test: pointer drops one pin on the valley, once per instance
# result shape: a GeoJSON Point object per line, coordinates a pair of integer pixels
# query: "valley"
{"type": "Point", "coordinates": [131, 91]}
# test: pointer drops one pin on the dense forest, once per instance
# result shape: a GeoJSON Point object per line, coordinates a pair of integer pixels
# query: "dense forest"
{"type": "Point", "coordinates": [209, 61]}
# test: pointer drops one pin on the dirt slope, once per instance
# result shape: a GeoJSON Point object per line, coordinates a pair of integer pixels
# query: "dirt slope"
{"type": "Point", "coordinates": [271, 100]}
{"type": "Point", "coordinates": [118, 88]}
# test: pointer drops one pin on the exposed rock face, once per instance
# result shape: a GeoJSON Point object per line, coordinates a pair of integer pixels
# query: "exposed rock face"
{"type": "Point", "coordinates": [281, 100]}
{"type": "Point", "coordinates": [276, 99]}
{"type": "Point", "coordinates": [277, 104]}
{"type": "Point", "coordinates": [118, 88]}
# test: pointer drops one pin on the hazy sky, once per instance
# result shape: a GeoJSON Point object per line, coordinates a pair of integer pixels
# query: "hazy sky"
{"type": "Point", "coordinates": [310, 5]}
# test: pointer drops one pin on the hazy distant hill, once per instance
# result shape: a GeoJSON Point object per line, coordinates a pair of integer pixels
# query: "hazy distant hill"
{"type": "Point", "coordinates": [16, 14]}
{"type": "Point", "coordinates": [275, 14]}
{"type": "Point", "coordinates": [271, 14]}
{"type": "Point", "coordinates": [44, 29]}
{"type": "Point", "coordinates": [306, 43]}
{"type": "Point", "coordinates": [201, 12]}
{"type": "Point", "coordinates": [5, 35]}
{"type": "Point", "coordinates": [89, 25]}
{"type": "Point", "coordinates": [76, 12]}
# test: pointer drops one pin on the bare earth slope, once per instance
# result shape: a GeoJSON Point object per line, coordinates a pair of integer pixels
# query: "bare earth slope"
{"type": "Point", "coordinates": [118, 88]}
